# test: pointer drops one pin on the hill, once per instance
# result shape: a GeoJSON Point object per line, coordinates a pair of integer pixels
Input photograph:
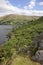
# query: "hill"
{"type": "Point", "coordinates": [20, 40]}
{"type": "Point", "coordinates": [11, 19]}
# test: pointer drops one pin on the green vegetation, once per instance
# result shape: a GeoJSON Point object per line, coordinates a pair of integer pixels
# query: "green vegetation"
{"type": "Point", "coordinates": [21, 35]}
{"type": "Point", "coordinates": [11, 19]}
{"type": "Point", "coordinates": [20, 60]}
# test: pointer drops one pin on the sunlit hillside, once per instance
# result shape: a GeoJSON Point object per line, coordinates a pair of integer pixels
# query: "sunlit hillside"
{"type": "Point", "coordinates": [21, 37]}
{"type": "Point", "coordinates": [11, 19]}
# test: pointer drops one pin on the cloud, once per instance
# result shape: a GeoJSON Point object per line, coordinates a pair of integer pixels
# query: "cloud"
{"type": "Point", "coordinates": [31, 5]}
{"type": "Point", "coordinates": [33, 13]}
{"type": "Point", "coordinates": [7, 8]}
{"type": "Point", "coordinates": [41, 3]}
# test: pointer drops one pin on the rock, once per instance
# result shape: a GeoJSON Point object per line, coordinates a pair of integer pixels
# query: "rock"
{"type": "Point", "coordinates": [39, 40]}
{"type": "Point", "coordinates": [38, 56]}
{"type": "Point", "coordinates": [41, 45]}
{"type": "Point", "coordinates": [37, 47]}
{"type": "Point", "coordinates": [33, 58]}
{"type": "Point", "coordinates": [20, 50]}
{"type": "Point", "coordinates": [41, 35]}
{"type": "Point", "coordinates": [24, 49]}
{"type": "Point", "coordinates": [28, 52]}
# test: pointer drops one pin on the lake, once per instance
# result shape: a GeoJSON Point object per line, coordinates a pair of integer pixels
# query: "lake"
{"type": "Point", "coordinates": [4, 30]}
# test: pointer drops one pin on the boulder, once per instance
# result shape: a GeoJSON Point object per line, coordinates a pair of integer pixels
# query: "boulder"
{"type": "Point", "coordinates": [38, 57]}
{"type": "Point", "coordinates": [37, 47]}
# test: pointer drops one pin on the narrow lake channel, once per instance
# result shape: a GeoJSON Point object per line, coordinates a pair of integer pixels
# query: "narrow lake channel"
{"type": "Point", "coordinates": [4, 30]}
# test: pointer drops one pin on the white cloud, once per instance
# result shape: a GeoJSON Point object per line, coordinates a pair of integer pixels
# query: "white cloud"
{"type": "Point", "coordinates": [41, 3]}
{"type": "Point", "coordinates": [31, 5]}
{"type": "Point", "coordinates": [7, 8]}
{"type": "Point", "coordinates": [26, 7]}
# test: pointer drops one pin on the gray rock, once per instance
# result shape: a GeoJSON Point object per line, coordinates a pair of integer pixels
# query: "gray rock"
{"type": "Point", "coordinates": [38, 49]}
{"type": "Point", "coordinates": [33, 58]}
{"type": "Point", "coordinates": [24, 49]}
{"type": "Point", "coordinates": [28, 52]}
{"type": "Point", "coordinates": [38, 56]}
{"type": "Point", "coordinates": [38, 41]}
{"type": "Point", "coordinates": [41, 45]}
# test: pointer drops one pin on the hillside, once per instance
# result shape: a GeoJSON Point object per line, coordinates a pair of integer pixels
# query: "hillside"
{"type": "Point", "coordinates": [11, 19]}
{"type": "Point", "coordinates": [20, 43]}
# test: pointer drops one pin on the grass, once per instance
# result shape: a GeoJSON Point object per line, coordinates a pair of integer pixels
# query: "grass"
{"type": "Point", "coordinates": [11, 19]}
{"type": "Point", "coordinates": [20, 37]}
{"type": "Point", "coordinates": [20, 60]}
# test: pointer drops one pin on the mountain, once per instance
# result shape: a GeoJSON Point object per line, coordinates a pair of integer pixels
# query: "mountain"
{"type": "Point", "coordinates": [11, 19]}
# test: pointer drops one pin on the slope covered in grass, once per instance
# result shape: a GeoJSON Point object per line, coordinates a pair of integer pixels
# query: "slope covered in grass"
{"type": "Point", "coordinates": [21, 36]}
{"type": "Point", "coordinates": [20, 60]}
{"type": "Point", "coordinates": [11, 19]}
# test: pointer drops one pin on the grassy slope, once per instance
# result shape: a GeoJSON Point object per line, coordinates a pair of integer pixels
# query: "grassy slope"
{"type": "Point", "coordinates": [22, 36]}
{"type": "Point", "coordinates": [20, 60]}
{"type": "Point", "coordinates": [16, 18]}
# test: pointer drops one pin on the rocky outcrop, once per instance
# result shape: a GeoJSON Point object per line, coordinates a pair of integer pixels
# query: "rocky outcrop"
{"type": "Point", "coordinates": [36, 49]}
{"type": "Point", "coordinates": [38, 57]}
{"type": "Point", "coordinates": [24, 49]}
{"type": "Point", "coordinates": [38, 45]}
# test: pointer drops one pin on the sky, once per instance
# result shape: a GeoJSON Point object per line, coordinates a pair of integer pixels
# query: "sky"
{"type": "Point", "coordinates": [21, 7]}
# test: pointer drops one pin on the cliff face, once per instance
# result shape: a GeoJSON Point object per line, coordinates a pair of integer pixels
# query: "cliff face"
{"type": "Point", "coordinates": [38, 45]}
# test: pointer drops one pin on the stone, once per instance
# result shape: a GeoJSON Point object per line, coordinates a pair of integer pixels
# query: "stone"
{"type": "Point", "coordinates": [41, 45]}
{"type": "Point", "coordinates": [38, 57]}
{"type": "Point", "coordinates": [33, 58]}
{"type": "Point", "coordinates": [28, 52]}
{"type": "Point", "coordinates": [38, 49]}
